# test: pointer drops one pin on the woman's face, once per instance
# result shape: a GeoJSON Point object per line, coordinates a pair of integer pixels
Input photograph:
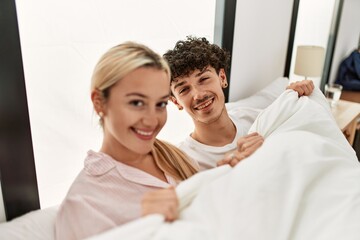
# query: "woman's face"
{"type": "Point", "coordinates": [135, 110]}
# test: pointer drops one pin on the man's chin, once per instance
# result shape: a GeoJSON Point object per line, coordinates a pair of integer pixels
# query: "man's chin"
{"type": "Point", "coordinates": [212, 117]}
{"type": "Point", "coordinates": [207, 120]}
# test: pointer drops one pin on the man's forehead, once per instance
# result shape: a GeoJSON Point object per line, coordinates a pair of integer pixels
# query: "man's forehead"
{"type": "Point", "coordinates": [194, 73]}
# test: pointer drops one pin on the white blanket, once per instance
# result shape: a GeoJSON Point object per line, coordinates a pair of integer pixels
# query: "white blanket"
{"type": "Point", "coordinates": [303, 183]}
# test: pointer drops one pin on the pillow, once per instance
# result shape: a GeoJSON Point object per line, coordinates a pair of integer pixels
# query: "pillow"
{"type": "Point", "coordinates": [38, 224]}
{"type": "Point", "coordinates": [262, 98]}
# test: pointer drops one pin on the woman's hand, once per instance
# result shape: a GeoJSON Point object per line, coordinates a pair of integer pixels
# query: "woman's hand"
{"type": "Point", "coordinates": [163, 201]}
{"type": "Point", "coordinates": [246, 146]}
{"type": "Point", "coordinates": [303, 88]}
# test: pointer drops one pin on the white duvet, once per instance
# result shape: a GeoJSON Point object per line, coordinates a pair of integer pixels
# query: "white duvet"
{"type": "Point", "coordinates": [303, 183]}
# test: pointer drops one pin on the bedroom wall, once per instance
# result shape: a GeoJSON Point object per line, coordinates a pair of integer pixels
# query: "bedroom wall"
{"type": "Point", "coordinates": [61, 41]}
{"type": "Point", "coordinates": [261, 32]}
{"type": "Point", "coordinates": [348, 34]}
{"type": "Point", "coordinates": [260, 45]}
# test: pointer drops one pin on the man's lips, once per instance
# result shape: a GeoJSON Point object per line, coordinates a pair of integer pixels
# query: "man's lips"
{"type": "Point", "coordinates": [204, 104]}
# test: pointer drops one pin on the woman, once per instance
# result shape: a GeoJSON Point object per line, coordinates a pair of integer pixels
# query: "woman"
{"type": "Point", "coordinates": [133, 174]}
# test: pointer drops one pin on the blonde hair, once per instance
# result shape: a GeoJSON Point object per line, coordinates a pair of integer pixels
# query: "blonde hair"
{"type": "Point", "coordinates": [114, 65]}
{"type": "Point", "coordinates": [173, 161]}
{"type": "Point", "coordinates": [123, 59]}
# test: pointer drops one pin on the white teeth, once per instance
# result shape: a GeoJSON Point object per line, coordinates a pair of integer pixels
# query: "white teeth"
{"type": "Point", "coordinates": [204, 105]}
{"type": "Point", "coordinates": [143, 132]}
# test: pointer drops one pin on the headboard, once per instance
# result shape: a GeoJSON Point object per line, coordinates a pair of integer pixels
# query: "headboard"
{"type": "Point", "coordinates": [17, 168]}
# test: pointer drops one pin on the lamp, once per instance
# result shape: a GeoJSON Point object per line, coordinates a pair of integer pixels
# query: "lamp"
{"type": "Point", "coordinates": [309, 61]}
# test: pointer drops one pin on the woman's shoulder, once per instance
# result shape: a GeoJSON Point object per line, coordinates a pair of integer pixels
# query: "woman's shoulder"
{"type": "Point", "coordinates": [98, 163]}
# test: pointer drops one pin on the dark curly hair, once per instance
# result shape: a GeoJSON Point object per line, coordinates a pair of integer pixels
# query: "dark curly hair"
{"type": "Point", "coordinates": [195, 54]}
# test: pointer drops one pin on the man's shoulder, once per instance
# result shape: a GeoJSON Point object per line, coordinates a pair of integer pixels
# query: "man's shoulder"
{"type": "Point", "coordinates": [207, 156]}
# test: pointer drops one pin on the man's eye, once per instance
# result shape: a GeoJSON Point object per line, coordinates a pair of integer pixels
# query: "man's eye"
{"type": "Point", "coordinates": [183, 90]}
{"type": "Point", "coordinates": [162, 104]}
{"type": "Point", "coordinates": [137, 103]}
{"type": "Point", "coordinates": [204, 79]}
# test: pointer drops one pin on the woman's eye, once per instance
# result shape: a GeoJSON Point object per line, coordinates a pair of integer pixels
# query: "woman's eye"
{"type": "Point", "coordinates": [161, 104]}
{"type": "Point", "coordinates": [137, 103]}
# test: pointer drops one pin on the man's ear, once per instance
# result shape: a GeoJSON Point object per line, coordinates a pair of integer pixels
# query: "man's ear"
{"type": "Point", "coordinates": [223, 79]}
{"type": "Point", "coordinates": [174, 100]}
{"type": "Point", "coordinates": [98, 101]}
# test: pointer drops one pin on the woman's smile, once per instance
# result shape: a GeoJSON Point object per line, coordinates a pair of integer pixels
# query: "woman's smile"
{"type": "Point", "coordinates": [144, 134]}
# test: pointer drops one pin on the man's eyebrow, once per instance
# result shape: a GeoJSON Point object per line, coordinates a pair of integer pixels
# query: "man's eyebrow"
{"type": "Point", "coordinates": [201, 72]}
{"type": "Point", "coordinates": [179, 84]}
{"type": "Point", "coordinates": [197, 75]}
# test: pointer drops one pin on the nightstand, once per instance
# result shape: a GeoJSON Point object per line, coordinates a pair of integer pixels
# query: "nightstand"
{"type": "Point", "coordinates": [352, 96]}
{"type": "Point", "coordinates": [347, 116]}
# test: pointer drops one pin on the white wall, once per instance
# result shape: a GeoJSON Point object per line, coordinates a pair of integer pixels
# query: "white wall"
{"type": "Point", "coordinates": [61, 41]}
{"type": "Point", "coordinates": [260, 44]}
{"type": "Point", "coordinates": [348, 34]}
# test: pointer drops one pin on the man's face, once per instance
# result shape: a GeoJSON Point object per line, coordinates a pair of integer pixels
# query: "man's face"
{"type": "Point", "coordinates": [201, 94]}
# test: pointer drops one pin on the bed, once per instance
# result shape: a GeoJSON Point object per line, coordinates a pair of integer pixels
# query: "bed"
{"type": "Point", "coordinates": [303, 183]}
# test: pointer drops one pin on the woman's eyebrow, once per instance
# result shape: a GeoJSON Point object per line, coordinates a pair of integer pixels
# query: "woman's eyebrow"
{"type": "Point", "coordinates": [136, 94]}
{"type": "Point", "coordinates": [166, 96]}
{"type": "Point", "coordinates": [144, 96]}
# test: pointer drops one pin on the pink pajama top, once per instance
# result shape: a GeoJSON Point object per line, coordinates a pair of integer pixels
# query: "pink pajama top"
{"type": "Point", "coordinates": [105, 194]}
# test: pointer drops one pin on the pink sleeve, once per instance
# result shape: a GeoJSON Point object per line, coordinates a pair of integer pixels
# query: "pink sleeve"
{"type": "Point", "coordinates": [77, 219]}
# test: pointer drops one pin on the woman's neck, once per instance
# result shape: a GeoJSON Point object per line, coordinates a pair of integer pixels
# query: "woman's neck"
{"type": "Point", "coordinates": [144, 162]}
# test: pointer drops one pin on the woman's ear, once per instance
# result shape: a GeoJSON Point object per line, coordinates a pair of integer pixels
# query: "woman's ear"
{"type": "Point", "coordinates": [98, 102]}
{"type": "Point", "coordinates": [174, 100]}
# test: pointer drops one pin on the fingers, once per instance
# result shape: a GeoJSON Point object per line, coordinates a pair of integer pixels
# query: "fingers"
{"type": "Point", "coordinates": [307, 86]}
{"type": "Point", "coordinates": [248, 141]}
{"type": "Point", "coordinates": [303, 88]}
{"type": "Point", "coordinates": [163, 201]}
{"type": "Point", "coordinates": [231, 159]}
{"type": "Point", "coordinates": [246, 146]}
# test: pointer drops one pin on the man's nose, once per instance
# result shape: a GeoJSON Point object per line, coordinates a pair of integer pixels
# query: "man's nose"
{"type": "Point", "coordinates": [198, 93]}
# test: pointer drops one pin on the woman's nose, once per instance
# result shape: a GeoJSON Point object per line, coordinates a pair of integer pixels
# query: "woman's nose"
{"type": "Point", "coordinates": [150, 119]}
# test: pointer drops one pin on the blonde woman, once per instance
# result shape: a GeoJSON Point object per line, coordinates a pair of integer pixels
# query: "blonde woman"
{"type": "Point", "coordinates": [133, 173]}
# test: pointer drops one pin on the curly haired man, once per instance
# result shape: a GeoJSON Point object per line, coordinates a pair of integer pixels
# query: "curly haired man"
{"type": "Point", "coordinates": [198, 76]}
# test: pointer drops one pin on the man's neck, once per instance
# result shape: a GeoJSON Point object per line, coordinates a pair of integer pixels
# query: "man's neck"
{"type": "Point", "coordinates": [217, 134]}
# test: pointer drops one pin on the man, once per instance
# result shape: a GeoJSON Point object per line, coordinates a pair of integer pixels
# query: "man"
{"type": "Point", "coordinates": [198, 78]}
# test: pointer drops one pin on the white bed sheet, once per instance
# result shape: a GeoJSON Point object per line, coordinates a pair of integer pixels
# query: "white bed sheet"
{"type": "Point", "coordinates": [303, 183]}
{"type": "Point", "coordinates": [38, 224]}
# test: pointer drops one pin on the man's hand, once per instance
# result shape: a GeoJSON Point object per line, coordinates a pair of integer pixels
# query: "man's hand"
{"type": "Point", "coordinates": [246, 146]}
{"type": "Point", "coordinates": [303, 88]}
{"type": "Point", "coordinates": [163, 201]}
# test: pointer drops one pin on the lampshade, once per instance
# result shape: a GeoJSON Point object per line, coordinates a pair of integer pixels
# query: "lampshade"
{"type": "Point", "coordinates": [309, 61]}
